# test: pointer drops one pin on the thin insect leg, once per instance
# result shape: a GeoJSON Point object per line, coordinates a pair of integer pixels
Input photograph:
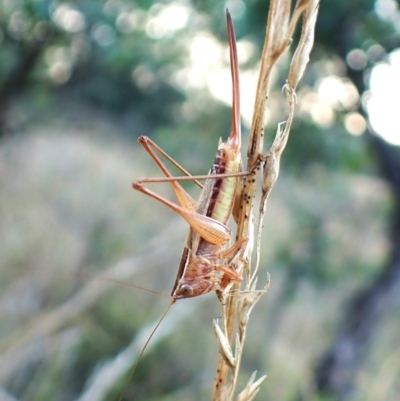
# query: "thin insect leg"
{"type": "Point", "coordinates": [229, 273]}
{"type": "Point", "coordinates": [192, 177]}
{"type": "Point", "coordinates": [183, 197]}
{"type": "Point", "coordinates": [232, 254]}
{"type": "Point", "coordinates": [148, 144]}
{"type": "Point", "coordinates": [232, 251]}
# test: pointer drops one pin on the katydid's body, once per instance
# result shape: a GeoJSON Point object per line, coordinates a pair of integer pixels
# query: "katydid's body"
{"type": "Point", "coordinates": [207, 263]}
{"type": "Point", "coordinates": [205, 259]}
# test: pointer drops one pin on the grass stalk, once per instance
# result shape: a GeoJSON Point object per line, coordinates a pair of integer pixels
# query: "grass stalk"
{"type": "Point", "coordinates": [237, 303]}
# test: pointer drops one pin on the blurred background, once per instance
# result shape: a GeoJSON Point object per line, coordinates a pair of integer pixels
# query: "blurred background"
{"type": "Point", "coordinates": [79, 82]}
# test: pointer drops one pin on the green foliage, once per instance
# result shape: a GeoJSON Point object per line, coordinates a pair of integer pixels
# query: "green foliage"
{"type": "Point", "coordinates": [332, 148]}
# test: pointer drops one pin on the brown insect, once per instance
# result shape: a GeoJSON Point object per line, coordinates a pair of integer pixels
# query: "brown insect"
{"type": "Point", "coordinates": [206, 263]}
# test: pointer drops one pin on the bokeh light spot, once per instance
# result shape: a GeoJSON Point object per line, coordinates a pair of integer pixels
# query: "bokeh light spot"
{"type": "Point", "coordinates": [357, 59]}
{"type": "Point", "coordinates": [68, 18]}
{"type": "Point", "coordinates": [355, 123]}
{"type": "Point", "coordinates": [103, 34]}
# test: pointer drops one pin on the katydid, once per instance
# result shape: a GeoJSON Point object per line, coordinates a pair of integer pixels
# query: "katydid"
{"type": "Point", "coordinates": [206, 263]}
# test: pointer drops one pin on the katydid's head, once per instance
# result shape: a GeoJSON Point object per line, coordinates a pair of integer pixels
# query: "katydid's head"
{"type": "Point", "coordinates": [184, 291]}
{"type": "Point", "coordinates": [193, 288]}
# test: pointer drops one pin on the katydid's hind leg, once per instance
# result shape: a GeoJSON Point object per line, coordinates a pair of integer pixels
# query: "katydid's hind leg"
{"type": "Point", "coordinates": [184, 199]}
{"type": "Point", "coordinates": [148, 144]}
{"type": "Point", "coordinates": [210, 229]}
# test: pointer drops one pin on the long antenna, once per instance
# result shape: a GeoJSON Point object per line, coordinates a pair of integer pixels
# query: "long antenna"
{"type": "Point", "coordinates": [144, 349]}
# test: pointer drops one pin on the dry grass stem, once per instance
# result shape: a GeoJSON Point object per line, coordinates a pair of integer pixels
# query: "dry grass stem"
{"type": "Point", "coordinates": [237, 308]}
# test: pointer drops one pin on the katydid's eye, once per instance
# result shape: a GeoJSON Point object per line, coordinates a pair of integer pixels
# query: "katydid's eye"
{"type": "Point", "coordinates": [186, 290]}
